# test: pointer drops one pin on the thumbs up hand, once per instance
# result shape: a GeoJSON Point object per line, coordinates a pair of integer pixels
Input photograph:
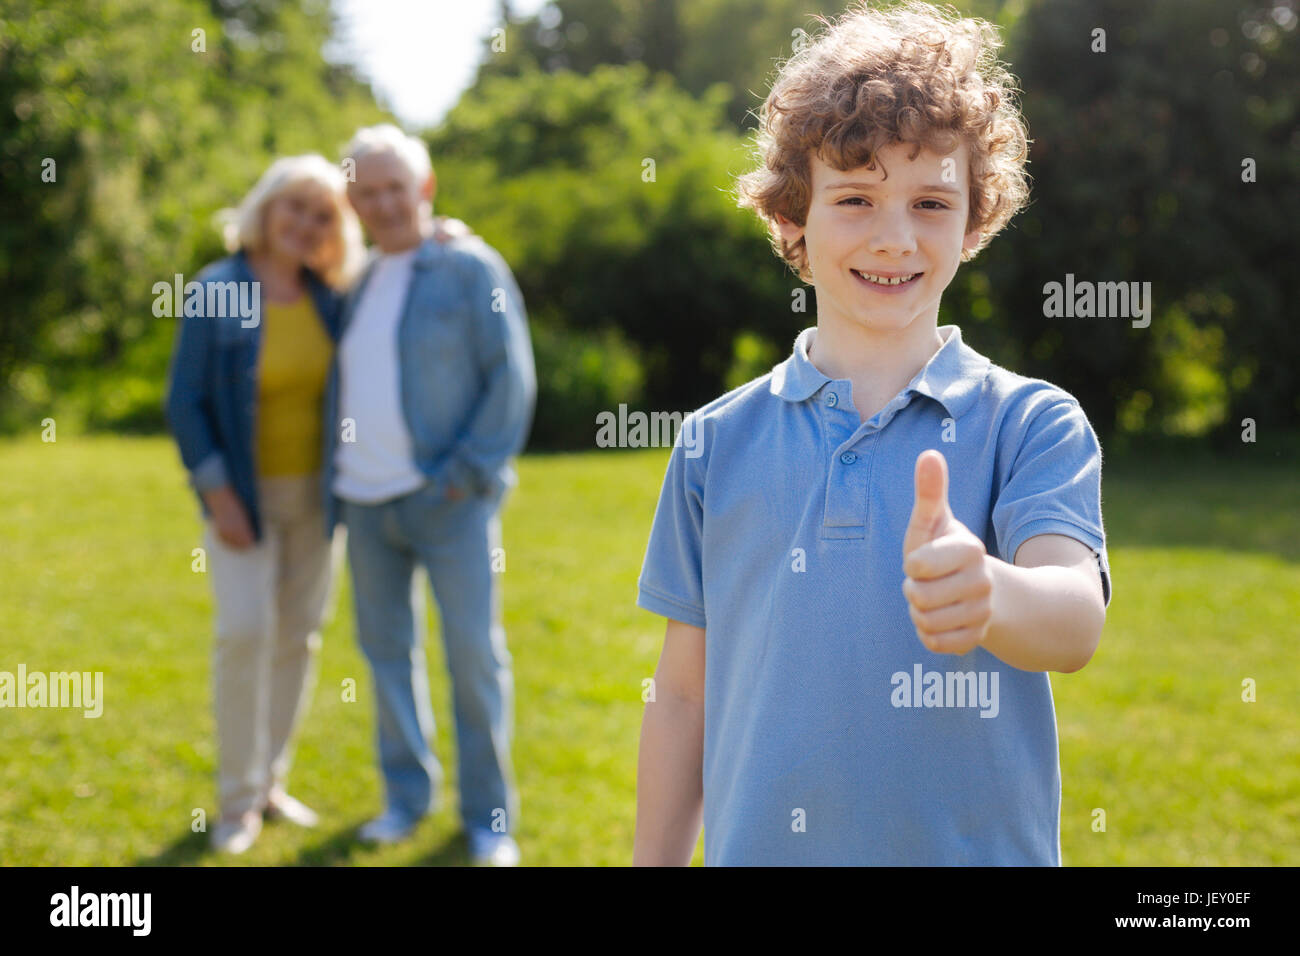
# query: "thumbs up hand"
{"type": "Point", "coordinates": [949, 585]}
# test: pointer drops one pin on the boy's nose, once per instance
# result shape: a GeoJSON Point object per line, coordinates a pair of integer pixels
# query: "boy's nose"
{"type": "Point", "coordinates": [892, 236]}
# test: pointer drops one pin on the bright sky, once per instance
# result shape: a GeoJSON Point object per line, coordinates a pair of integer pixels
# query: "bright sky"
{"type": "Point", "coordinates": [419, 55]}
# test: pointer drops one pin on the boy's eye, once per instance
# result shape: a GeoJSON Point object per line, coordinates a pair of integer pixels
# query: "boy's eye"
{"type": "Point", "coordinates": [852, 200]}
{"type": "Point", "coordinates": [933, 204]}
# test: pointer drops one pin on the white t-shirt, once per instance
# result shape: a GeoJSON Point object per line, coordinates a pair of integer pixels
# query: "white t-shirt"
{"type": "Point", "coordinates": [379, 464]}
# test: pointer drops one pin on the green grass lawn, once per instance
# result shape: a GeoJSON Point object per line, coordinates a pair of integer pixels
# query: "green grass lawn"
{"type": "Point", "coordinates": [95, 574]}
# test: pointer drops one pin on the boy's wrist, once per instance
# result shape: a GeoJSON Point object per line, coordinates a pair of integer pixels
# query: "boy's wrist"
{"type": "Point", "coordinates": [1000, 615]}
{"type": "Point", "coordinates": [1034, 625]}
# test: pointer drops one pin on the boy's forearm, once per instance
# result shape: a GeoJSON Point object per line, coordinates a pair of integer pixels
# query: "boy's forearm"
{"type": "Point", "coordinates": [669, 784]}
{"type": "Point", "coordinates": [1044, 618]}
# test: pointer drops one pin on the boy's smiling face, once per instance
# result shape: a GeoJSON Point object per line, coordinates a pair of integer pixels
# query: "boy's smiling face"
{"type": "Point", "coordinates": [864, 232]}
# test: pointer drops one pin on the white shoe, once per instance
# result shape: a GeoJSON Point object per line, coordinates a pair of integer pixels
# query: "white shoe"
{"type": "Point", "coordinates": [492, 849]}
{"type": "Point", "coordinates": [281, 806]}
{"type": "Point", "coordinates": [389, 827]}
{"type": "Point", "coordinates": [236, 836]}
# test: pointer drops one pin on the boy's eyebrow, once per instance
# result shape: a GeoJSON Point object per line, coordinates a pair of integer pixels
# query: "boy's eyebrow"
{"type": "Point", "coordinates": [951, 190]}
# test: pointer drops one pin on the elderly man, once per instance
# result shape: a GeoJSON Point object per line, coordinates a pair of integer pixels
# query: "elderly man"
{"type": "Point", "coordinates": [433, 396]}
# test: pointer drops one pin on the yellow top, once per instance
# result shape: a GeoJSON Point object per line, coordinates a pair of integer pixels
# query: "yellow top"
{"type": "Point", "coordinates": [292, 369]}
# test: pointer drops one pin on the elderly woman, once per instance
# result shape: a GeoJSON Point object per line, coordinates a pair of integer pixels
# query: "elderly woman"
{"type": "Point", "coordinates": [244, 402]}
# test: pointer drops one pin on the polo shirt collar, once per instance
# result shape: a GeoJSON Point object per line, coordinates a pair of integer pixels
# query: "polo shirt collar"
{"type": "Point", "coordinates": [953, 376]}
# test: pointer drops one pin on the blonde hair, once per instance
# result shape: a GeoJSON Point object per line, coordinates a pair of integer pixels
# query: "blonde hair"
{"type": "Point", "coordinates": [244, 227]}
{"type": "Point", "coordinates": [911, 74]}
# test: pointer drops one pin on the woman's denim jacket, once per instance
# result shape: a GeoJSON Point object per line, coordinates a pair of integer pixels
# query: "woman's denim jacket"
{"type": "Point", "coordinates": [212, 386]}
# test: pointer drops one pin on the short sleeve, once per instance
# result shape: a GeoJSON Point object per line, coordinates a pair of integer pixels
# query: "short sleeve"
{"type": "Point", "coordinates": [1054, 487]}
{"type": "Point", "coordinates": [672, 579]}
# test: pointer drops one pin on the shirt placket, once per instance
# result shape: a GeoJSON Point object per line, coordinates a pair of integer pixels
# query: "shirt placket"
{"type": "Point", "coordinates": [852, 447]}
{"type": "Point", "coordinates": [845, 512]}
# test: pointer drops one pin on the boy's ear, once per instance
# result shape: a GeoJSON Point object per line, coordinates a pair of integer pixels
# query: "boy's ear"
{"type": "Point", "coordinates": [971, 240]}
{"type": "Point", "coordinates": [430, 187]}
{"type": "Point", "coordinates": [788, 230]}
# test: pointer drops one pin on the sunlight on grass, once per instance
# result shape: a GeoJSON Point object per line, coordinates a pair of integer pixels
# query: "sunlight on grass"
{"type": "Point", "coordinates": [95, 575]}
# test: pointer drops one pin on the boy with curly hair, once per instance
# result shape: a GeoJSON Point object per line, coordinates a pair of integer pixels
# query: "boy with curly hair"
{"type": "Point", "coordinates": [855, 668]}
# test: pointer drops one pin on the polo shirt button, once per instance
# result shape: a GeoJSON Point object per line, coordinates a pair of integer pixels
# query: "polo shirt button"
{"type": "Point", "coordinates": [848, 458]}
{"type": "Point", "coordinates": [832, 399]}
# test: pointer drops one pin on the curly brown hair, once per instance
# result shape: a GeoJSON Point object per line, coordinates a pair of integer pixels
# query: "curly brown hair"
{"type": "Point", "coordinates": [912, 73]}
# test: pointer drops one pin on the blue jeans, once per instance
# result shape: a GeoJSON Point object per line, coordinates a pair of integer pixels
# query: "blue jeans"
{"type": "Point", "coordinates": [454, 541]}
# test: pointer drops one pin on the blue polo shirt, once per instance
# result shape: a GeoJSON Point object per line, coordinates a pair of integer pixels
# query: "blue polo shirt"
{"type": "Point", "coordinates": [831, 734]}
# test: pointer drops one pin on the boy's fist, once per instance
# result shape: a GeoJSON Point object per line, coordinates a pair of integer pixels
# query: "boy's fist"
{"type": "Point", "coordinates": [949, 587]}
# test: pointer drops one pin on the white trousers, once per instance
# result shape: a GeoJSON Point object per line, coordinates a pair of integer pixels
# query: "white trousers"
{"type": "Point", "coordinates": [270, 600]}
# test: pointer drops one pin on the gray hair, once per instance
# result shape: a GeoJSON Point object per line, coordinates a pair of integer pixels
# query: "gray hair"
{"type": "Point", "coordinates": [387, 138]}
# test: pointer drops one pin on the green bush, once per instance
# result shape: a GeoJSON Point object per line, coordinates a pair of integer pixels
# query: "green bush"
{"type": "Point", "coordinates": [608, 194]}
{"type": "Point", "coordinates": [578, 376]}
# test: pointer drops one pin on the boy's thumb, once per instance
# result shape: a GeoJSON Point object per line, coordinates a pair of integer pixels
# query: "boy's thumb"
{"type": "Point", "coordinates": [930, 504]}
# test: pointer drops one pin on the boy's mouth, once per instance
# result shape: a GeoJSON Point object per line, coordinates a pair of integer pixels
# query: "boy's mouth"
{"type": "Point", "coordinates": [884, 283]}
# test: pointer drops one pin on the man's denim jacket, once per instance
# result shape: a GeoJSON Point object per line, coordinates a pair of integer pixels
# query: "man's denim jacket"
{"type": "Point", "coordinates": [468, 384]}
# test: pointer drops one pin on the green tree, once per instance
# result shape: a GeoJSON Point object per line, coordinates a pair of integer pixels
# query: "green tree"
{"type": "Point", "coordinates": [609, 196]}
{"type": "Point", "coordinates": [700, 43]}
{"type": "Point", "coordinates": [1138, 163]}
{"type": "Point", "coordinates": [152, 127]}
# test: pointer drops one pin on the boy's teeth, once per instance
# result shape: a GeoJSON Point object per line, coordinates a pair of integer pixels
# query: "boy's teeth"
{"type": "Point", "coordinates": [885, 280]}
